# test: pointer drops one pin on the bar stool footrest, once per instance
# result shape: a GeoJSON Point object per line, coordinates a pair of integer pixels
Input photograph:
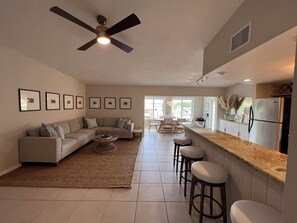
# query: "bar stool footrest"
{"type": "Point", "coordinates": [183, 177]}
{"type": "Point", "coordinates": [206, 215]}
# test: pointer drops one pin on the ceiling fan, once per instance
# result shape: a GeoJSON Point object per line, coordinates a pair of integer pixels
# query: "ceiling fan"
{"type": "Point", "coordinates": [103, 33]}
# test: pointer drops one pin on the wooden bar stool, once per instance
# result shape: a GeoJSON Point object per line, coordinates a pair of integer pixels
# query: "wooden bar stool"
{"type": "Point", "coordinates": [211, 175]}
{"type": "Point", "coordinates": [189, 155]}
{"type": "Point", "coordinates": [178, 142]}
{"type": "Point", "coordinates": [244, 211]}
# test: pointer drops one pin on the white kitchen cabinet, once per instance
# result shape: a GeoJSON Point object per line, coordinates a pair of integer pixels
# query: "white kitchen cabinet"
{"type": "Point", "coordinates": [234, 128]}
{"type": "Point", "coordinates": [243, 132]}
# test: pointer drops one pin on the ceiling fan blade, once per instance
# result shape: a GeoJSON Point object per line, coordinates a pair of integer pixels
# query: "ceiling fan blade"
{"type": "Point", "coordinates": [71, 18]}
{"type": "Point", "coordinates": [88, 45]}
{"type": "Point", "coordinates": [126, 23]}
{"type": "Point", "coordinates": [121, 45]}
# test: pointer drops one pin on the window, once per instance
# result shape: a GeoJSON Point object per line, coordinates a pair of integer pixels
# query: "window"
{"type": "Point", "coordinates": [182, 108]}
{"type": "Point", "coordinates": [154, 108]}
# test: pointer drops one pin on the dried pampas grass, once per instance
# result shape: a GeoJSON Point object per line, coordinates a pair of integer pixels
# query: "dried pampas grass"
{"type": "Point", "coordinates": [232, 102]}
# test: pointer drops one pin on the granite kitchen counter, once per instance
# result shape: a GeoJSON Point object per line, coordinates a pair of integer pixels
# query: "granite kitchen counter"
{"type": "Point", "coordinates": [267, 161]}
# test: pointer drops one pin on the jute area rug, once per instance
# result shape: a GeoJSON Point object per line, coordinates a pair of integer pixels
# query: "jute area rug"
{"type": "Point", "coordinates": [82, 169]}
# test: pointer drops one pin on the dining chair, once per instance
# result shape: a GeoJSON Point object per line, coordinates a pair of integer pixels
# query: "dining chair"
{"type": "Point", "coordinates": [168, 125]}
{"type": "Point", "coordinates": [153, 124]}
{"type": "Point", "coordinates": [178, 127]}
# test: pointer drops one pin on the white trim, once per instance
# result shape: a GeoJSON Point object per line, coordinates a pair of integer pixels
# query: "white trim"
{"type": "Point", "coordinates": [10, 169]}
{"type": "Point", "coordinates": [249, 38]}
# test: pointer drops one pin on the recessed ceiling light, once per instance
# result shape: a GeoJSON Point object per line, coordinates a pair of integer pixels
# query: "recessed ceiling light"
{"type": "Point", "coordinates": [220, 73]}
{"type": "Point", "coordinates": [247, 80]}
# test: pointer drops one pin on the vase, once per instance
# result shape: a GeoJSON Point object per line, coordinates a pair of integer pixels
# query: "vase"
{"type": "Point", "coordinates": [227, 115]}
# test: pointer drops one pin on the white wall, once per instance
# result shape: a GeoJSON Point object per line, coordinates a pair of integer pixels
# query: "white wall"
{"type": "Point", "coordinates": [269, 19]}
{"type": "Point", "coordinates": [290, 197]}
{"type": "Point", "coordinates": [137, 93]}
{"type": "Point", "coordinates": [242, 90]}
{"type": "Point", "coordinates": [20, 71]}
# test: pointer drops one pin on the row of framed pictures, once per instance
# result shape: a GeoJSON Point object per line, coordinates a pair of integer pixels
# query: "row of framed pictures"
{"type": "Point", "coordinates": [29, 100]}
{"type": "Point", "coordinates": [110, 103]}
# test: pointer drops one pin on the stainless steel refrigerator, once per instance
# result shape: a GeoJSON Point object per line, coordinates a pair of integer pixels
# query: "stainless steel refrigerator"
{"type": "Point", "coordinates": [269, 123]}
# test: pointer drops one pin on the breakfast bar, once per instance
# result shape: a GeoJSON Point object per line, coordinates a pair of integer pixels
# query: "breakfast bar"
{"type": "Point", "coordinates": [255, 172]}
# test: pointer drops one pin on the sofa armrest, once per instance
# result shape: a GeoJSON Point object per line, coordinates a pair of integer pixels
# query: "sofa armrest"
{"type": "Point", "coordinates": [40, 149]}
{"type": "Point", "coordinates": [130, 126]}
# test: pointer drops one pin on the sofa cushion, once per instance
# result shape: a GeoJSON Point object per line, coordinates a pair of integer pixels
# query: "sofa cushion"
{"type": "Point", "coordinates": [104, 130]}
{"type": "Point", "coordinates": [77, 135]}
{"type": "Point", "coordinates": [99, 122]}
{"type": "Point", "coordinates": [110, 122]}
{"type": "Point", "coordinates": [119, 131]}
{"type": "Point", "coordinates": [89, 132]}
{"type": "Point", "coordinates": [81, 122]}
{"type": "Point", "coordinates": [91, 123]}
{"type": "Point", "coordinates": [74, 125]}
{"type": "Point", "coordinates": [68, 142]}
{"type": "Point", "coordinates": [110, 130]}
{"type": "Point", "coordinates": [64, 126]}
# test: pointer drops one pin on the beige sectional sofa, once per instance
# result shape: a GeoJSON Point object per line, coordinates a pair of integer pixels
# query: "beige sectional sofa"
{"type": "Point", "coordinates": [109, 126]}
{"type": "Point", "coordinates": [36, 148]}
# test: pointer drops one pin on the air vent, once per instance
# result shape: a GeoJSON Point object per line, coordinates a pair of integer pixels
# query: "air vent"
{"type": "Point", "coordinates": [241, 38]}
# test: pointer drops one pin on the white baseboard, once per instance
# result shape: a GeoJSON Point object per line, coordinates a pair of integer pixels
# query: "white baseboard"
{"type": "Point", "coordinates": [10, 169]}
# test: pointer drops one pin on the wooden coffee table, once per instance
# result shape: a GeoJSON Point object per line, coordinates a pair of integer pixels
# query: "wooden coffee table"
{"type": "Point", "coordinates": [105, 144]}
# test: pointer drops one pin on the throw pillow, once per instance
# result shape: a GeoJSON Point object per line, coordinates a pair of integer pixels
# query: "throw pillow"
{"type": "Point", "coordinates": [44, 131]}
{"type": "Point", "coordinates": [128, 121]}
{"type": "Point", "coordinates": [52, 131]}
{"type": "Point", "coordinates": [91, 123]}
{"type": "Point", "coordinates": [60, 131]}
{"type": "Point", "coordinates": [121, 123]}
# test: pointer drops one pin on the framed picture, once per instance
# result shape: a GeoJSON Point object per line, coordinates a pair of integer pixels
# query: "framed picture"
{"type": "Point", "coordinates": [52, 101]}
{"type": "Point", "coordinates": [68, 101]}
{"type": "Point", "coordinates": [125, 103]}
{"type": "Point", "coordinates": [94, 102]}
{"type": "Point", "coordinates": [80, 102]}
{"type": "Point", "coordinates": [29, 100]}
{"type": "Point", "coordinates": [245, 115]}
{"type": "Point", "coordinates": [109, 103]}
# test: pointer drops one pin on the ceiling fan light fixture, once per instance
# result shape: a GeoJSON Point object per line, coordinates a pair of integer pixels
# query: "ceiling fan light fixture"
{"type": "Point", "coordinates": [104, 40]}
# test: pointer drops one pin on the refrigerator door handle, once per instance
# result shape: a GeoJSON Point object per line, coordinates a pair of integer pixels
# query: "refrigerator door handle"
{"type": "Point", "coordinates": [251, 119]}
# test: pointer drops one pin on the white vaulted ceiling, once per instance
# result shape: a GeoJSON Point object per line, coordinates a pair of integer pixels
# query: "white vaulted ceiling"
{"type": "Point", "coordinates": [168, 44]}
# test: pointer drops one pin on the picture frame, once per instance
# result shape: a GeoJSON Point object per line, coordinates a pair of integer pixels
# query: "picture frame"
{"type": "Point", "coordinates": [29, 100]}
{"type": "Point", "coordinates": [52, 101]}
{"type": "Point", "coordinates": [80, 102]}
{"type": "Point", "coordinates": [94, 102]}
{"type": "Point", "coordinates": [245, 115]}
{"type": "Point", "coordinates": [126, 103]}
{"type": "Point", "coordinates": [68, 101]}
{"type": "Point", "coordinates": [110, 103]}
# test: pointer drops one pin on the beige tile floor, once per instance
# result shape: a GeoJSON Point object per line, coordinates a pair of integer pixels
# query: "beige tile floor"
{"type": "Point", "coordinates": [155, 197]}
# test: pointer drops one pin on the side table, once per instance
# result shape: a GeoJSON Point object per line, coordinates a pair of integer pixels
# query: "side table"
{"type": "Point", "coordinates": [138, 133]}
